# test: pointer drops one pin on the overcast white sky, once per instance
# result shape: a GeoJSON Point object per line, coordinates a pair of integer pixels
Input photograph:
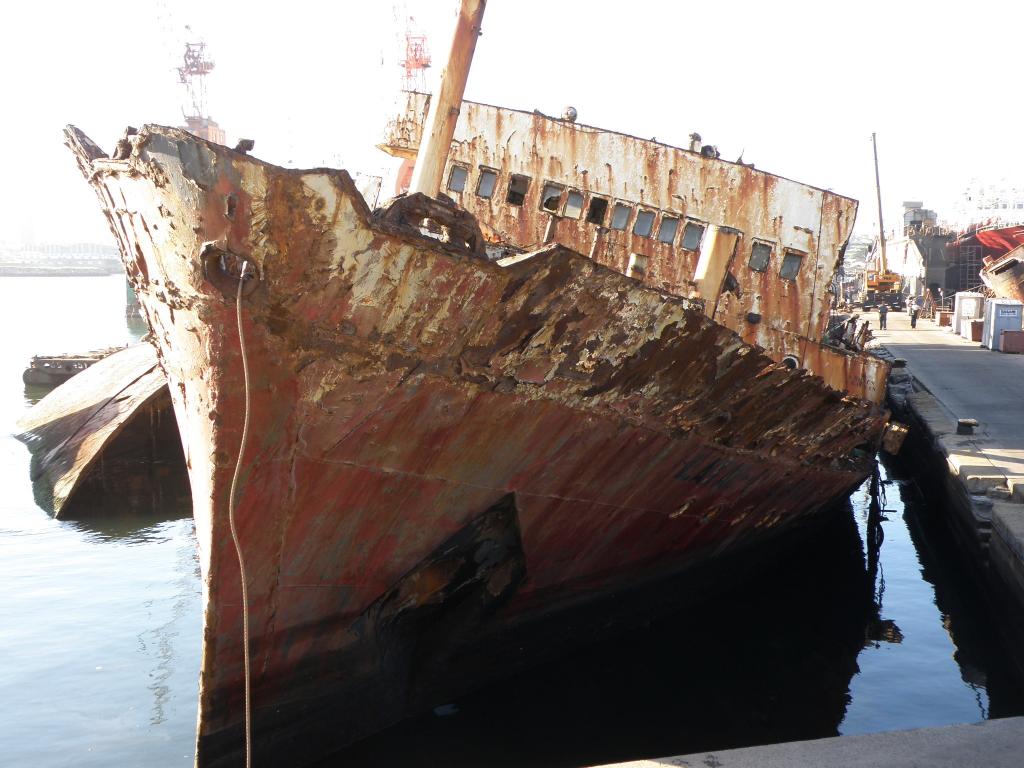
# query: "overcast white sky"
{"type": "Point", "coordinates": [798, 87]}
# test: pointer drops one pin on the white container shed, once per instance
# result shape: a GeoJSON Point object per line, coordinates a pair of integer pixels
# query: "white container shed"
{"type": "Point", "coordinates": [966, 306]}
{"type": "Point", "coordinates": [1000, 315]}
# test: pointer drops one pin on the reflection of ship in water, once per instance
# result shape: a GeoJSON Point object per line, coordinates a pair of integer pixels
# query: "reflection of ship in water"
{"type": "Point", "coordinates": [767, 659]}
{"type": "Point", "coordinates": [878, 629]}
{"type": "Point", "coordinates": [160, 641]}
{"type": "Point", "coordinates": [171, 600]}
{"type": "Point", "coordinates": [138, 527]}
{"type": "Point", "coordinates": [986, 662]}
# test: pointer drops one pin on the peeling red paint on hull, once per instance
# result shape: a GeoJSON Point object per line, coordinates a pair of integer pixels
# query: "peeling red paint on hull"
{"type": "Point", "coordinates": [442, 447]}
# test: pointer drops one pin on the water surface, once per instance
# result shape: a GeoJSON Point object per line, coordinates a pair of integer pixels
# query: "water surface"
{"type": "Point", "coordinates": [101, 627]}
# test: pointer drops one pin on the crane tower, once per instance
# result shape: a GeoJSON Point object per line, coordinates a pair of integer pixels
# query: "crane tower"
{"type": "Point", "coordinates": [414, 78]}
{"type": "Point", "coordinates": [192, 73]}
{"type": "Point", "coordinates": [417, 59]}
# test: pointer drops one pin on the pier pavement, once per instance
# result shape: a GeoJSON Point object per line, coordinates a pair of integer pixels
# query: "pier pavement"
{"type": "Point", "coordinates": [967, 381]}
{"type": "Point", "coordinates": [993, 744]}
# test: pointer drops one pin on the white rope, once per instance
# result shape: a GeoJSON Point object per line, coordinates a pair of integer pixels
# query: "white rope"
{"type": "Point", "coordinates": [231, 521]}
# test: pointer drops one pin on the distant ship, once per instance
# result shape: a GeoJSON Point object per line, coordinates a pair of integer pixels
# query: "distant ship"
{"type": "Point", "coordinates": [51, 370]}
{"type": "Point", "coordinates": [935, 259]}
{"type": "Point", "coordinates": [990, 233]}
{"type": "Point", "coordinates": [1003, 260]}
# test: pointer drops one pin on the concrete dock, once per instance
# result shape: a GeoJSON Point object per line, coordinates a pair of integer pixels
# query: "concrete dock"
{"type": "Point", "coordinates": [993, 744]}
{"type": "Point", "coordinates": [948, 378]}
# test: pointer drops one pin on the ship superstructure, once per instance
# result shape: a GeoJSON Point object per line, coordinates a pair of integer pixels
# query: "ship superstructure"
{"type": "Point", "coordinates": [760, 251]}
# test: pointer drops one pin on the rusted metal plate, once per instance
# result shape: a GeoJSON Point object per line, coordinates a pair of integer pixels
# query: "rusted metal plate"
{"type": "Point", "coordinates": [70, 429]}
{"type": "Point", "coordinates": [405, 389]}
{"type": "Point", "coordinates": [893, 437]}
{"type": "Point", "coordinates": [440, 122]}
{"type": "Point", "coordinates": [1005, 275]}
{"type": "Point", "coordinates": [804, 228]}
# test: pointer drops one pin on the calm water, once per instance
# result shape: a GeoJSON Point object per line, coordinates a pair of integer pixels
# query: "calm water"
{"type": "Point", "coordinates": [100, 628]}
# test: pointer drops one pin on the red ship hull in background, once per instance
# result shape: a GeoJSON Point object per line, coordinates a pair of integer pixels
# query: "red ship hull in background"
{"type": "Point", "coordinates": [1002, 259]}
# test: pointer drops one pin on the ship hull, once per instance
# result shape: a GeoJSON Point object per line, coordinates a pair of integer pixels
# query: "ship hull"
{"type": "Point", "coordinates": [1005, 276]}
{"type": "Point", "coordinates": [441, 449]}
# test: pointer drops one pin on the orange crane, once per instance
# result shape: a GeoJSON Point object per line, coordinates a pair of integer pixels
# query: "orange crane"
{"type": "Point", "coordinates": [879, 283]}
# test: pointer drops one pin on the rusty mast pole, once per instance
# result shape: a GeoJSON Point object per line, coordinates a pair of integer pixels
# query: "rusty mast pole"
{"type": "Point", "coordinates": [883, 267]}
{"type": "Point", "coordinates": [445, 104]}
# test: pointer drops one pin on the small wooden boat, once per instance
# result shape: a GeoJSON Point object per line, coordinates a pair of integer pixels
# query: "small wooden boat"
{"type": "Point", "coordinates": [107, 441]}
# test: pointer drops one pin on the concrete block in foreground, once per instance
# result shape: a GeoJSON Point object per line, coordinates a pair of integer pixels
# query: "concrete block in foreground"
{"type": "Point", "coordinates": [992, 743]}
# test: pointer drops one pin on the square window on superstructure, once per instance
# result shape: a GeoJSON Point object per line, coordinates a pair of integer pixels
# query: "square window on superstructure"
{"type": "Point", "coordinates": [551, 197]}
{"type": "Point", "coordinates": [573, 204]}
{"type": "Point", "coordinates": [457, 178]}
{"type": "Point", "coordinates": [667, 229]}
{"type": "Point", "coordinates": [693, 233]}
{"type": "Point", "coordinates": [518, 186]}
{"type": "Point", "coordinates": [485, 186]}
{"type": "Point", "coordinates": [644, 223]}
{"type": "Point", "coordinates": [597, 210]}
{"type": "Point", "coordinates": [620, 216]}
{"type": "Point", "coordinates": [760, 255]}
{"type": "Point", "coordinates": [791, 261]}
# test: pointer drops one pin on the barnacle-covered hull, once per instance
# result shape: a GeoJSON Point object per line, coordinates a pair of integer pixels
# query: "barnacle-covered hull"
{"type": "Point", "coordinates": [441, 448]}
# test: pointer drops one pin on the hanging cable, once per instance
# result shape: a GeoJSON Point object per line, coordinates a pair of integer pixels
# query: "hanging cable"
{"type": "Point", "coordinates": [231, 520]}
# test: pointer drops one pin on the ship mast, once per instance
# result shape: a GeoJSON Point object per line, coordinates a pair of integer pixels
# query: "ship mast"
{"type": "Point", "coordinates": [882, 266]}
{"type": "Point", "coordinates": [445, 104]}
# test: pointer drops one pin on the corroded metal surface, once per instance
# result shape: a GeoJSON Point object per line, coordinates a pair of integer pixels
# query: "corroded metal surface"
{"type": "Point", "coordinates": [413, 403]}
{"type": "Point", "coordinates": [893, 437]}
{"type": "Point", "coordinates": [1005, 275]}
{"type": "Point", "coordinates": [768, 306]}
{"type": "Point", "coordinates": [444, 112]}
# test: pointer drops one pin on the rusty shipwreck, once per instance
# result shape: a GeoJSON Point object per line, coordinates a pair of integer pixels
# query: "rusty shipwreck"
{"type": "Point", "coordinates": [598, 367]}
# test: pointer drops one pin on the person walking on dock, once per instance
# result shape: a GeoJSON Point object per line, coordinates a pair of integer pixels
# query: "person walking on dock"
{"type": "Point", "coordinates": [915, 308]}
{"type": "Point", "coordinates": [883, 312]}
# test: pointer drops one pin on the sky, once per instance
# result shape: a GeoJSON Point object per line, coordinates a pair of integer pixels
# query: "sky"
{"type": "Point", "coordinates": [796, 87]}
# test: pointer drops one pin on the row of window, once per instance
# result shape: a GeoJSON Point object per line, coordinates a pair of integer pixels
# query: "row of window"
{"type": "Point", "coordinates": [761, 256]}
{"type": "Point", "coordinates": [569, 203]}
